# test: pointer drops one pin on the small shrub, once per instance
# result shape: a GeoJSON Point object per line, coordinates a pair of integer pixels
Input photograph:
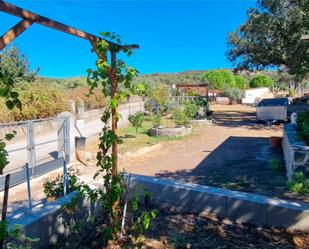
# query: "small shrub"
{"type": "Point", "coordinates": [241, 82]}
{"type": "Point", "coordinates": [299, 184]}
{"type": "Point", "coordinates": [156, 120]}
{"type": "Point", "coordinates": [190, 109]}
{"type": "Point", "coordinates": [137, 120]}
{"type": "Point", "coordinates": [303, 126]}
{"type": "Point", "coordinates": [274, 164]}
{"type": "Point", "coordinates": [54, 188]}
{"type": "Point", "coordinates": [233, 94]}
{"type": "Point", "coordinates": [180, 117]}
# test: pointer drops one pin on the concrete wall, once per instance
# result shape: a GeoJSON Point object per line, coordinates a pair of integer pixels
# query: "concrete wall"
{"type": "Point", "coordinates": [49, 222]}
{"type": "Point", "coordinates": [296, 153]}
{"type": "Point", "coordinates": [239, 206]}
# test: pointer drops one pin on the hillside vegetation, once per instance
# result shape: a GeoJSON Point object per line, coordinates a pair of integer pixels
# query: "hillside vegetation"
{"type": "Point", "coordinates": [43, 97]}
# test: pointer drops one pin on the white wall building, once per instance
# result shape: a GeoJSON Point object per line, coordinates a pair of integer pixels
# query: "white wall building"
{"type": "Point", "coordinates": [251, 96]}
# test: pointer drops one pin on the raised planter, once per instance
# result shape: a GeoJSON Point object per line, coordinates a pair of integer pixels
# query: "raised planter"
{"type": "Point", "coordinates": [177, 131]}
{"type": "Point", "coordinates": [296, 152]}
{"type": "Point", "coordinates": [201, 122]}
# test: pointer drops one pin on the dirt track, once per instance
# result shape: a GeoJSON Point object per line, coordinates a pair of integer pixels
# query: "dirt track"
{"type": "Point", "coordinates": [233, 153]}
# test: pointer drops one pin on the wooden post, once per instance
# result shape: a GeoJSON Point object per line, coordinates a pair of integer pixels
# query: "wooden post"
{"type": "Point", "coordinates": [5, 201]}
{"type": "Point", "coordinates": [6, 196]}
{"type": "Point", "coordinates": [114, 111]}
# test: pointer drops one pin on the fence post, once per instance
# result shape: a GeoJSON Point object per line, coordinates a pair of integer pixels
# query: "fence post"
{"type": "Point", "coordinates": [66, 142]}
{"type": "Point", "coordinates": [31, 146]}
{"type": "Point", "coordinates": [65, 177]}
{"type": "Point", "coordinates": [28, 186]}
{"type": "Point", "coordinates": [5, 202]}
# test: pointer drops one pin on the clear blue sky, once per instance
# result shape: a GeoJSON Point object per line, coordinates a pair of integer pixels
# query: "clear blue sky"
{"type": "Point", "coordinates": [173, 35]}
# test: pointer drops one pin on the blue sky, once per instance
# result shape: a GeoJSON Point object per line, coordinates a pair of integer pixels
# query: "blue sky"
{"type": "Point", "coordinates": [173, 36]}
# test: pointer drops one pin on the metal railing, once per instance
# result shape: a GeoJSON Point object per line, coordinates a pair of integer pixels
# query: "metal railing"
{"type": "Point", "coordinates": [26, 144]}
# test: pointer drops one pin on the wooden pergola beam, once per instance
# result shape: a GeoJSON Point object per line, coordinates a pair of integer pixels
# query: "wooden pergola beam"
{"type": "Point", "coordinates": [15, 31]}
{"type": "Point", "coordinates": [36, 18]}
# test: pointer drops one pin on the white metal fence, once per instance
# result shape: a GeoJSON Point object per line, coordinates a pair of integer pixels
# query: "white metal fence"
{"type": "Point", "coordinates": [42, 144]}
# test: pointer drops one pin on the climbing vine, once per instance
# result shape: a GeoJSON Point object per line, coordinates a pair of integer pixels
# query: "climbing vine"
{"type": "Point", "coordinates": [114, 78]}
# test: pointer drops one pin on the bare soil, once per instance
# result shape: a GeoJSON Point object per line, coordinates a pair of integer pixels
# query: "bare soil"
{"type": "Point", "coordinates": [185, 231]}
{"type": "Point", "coordinates": [233, 153]}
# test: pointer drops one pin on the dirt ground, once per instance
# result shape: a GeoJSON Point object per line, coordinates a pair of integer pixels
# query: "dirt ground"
{"type": "Point", "coordinates": [233, 153]}
{"type": "Point", "coordinates": [170, 230]}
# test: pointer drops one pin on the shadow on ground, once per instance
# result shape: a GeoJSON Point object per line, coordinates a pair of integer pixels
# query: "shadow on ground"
{"type": "Point", "coordinates": [240, 119]}
{"type": "Point", "coordinates": [239, 163]}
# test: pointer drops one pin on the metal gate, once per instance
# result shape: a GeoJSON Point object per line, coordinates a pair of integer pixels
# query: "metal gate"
{"type": "Point", "coordinates": [42, 144]}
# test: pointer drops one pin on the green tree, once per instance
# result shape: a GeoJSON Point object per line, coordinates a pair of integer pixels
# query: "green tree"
{"type": "Point", "coordinates": [218, 79]}
{"type": "Point", "coordinates": [260, 80]}
{"type": "Point", "coordinates": [241, 82]}
{"type": "Point", "coordinates": [137, 120]}
{"type": "Point", "coordinates": [15, 65]}
{"type": "Point", "coordinates": [271, 37]}
{"type": "Point", "coordinates": [234, 94]}
{"type": "Point", "coordinates": [160, 96]}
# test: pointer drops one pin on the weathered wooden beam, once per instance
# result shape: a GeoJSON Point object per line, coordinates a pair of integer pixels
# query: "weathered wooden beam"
{"type": "Point", "coordinates": [36, 18]}
{"type": "Point", "coordinates": [25, 14]}
{"type": "Point", "coordinates": [15, 31]}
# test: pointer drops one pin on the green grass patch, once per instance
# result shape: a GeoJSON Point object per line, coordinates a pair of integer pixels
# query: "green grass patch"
{"type": "Point", "coordinates": [133, 140]}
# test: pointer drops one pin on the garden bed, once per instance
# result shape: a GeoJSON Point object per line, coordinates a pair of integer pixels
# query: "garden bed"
{"type": "Point", "coordinates": [172, 230]}
{"type": "Point", "coordinates": [170, 132]}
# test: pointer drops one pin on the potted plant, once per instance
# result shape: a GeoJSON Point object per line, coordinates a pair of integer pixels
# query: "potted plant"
{"type": "Point", "coordinates": [275, 142]}
{"type": "Point", "coordinates": [50, 191]}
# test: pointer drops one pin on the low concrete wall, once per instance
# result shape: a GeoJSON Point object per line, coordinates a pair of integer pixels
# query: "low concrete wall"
{"type": "Point", "coordinates": [296, 153]}
{"type": "Point", "coordinates": [239, 206]}
{"type": "Point", "coordinates": [49, 222]}
{"type": "Point", "coordinates": [170, 132]}
{"type": "Point", "coordinates": [201, 122]}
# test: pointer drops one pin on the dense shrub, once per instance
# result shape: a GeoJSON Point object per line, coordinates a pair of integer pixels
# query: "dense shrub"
{"type": "Point", "coordinates": [38, 101]}
{"type": "Point", "coordinates": [190, 109]}
{"type": "Point", "coordinates": [218, 79]}
{"type": "Point", "coordinates": [303, 126]}
{"type": "Point", "coordinates": [91, 101]}
{"type": "Point", "coordinates": [241, 82]}
{"type": "Point", "coordinates": [180, 117]}
{"type": "Point", "coordinates": [260, 80]}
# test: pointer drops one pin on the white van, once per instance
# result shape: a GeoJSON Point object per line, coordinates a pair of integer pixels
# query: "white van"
{"type": "Point", "coordinates": [275, 109]}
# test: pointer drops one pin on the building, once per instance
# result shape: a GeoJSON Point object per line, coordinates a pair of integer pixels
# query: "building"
{"type": "Point", "coordinates": [193, 89]}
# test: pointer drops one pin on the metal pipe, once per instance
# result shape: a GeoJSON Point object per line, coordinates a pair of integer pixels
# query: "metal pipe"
{"type": "Point", "coordinates": [125, 207]}
{"type": "Point", "coordinates": [65, 176]}
{"type": "Point", "coordinates": [28, 186]}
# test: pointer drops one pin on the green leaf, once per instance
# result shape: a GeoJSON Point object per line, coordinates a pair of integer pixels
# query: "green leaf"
{"type": "Point", "coordinates": [113, 103]}
{"type": "Point", "coordinates": [9, 136]}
